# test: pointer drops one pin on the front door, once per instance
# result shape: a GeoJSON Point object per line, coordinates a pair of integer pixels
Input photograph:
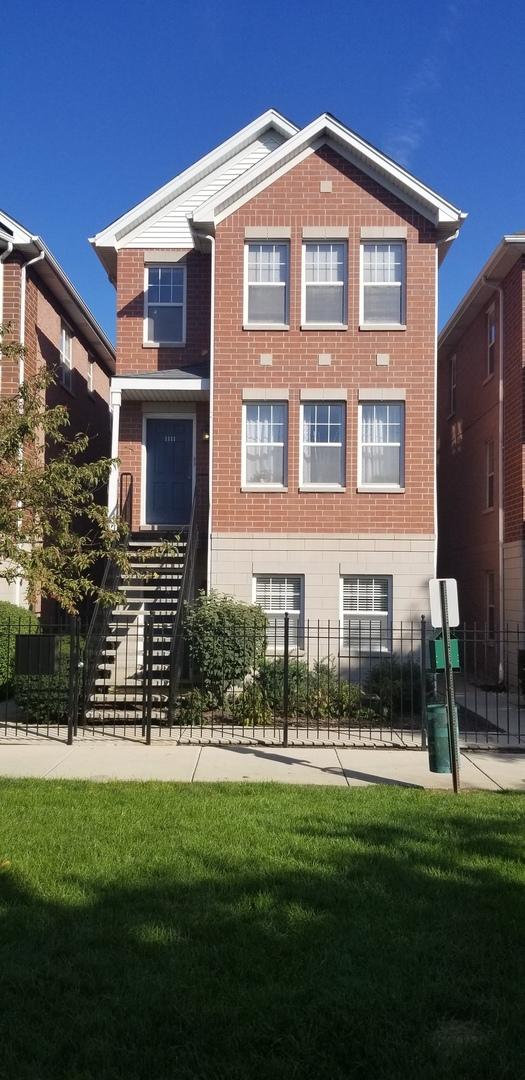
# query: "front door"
{"type": "Point", "coordinates": [169, 470]}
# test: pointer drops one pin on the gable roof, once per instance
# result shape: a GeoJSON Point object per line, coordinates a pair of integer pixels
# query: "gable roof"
{"type": "Point", "coordinates": [59, 285]}
{"type": "Point", "coordinates": [498, 265]}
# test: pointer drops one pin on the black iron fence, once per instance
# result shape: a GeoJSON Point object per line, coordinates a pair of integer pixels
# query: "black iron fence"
{"type": "Point", "coordinates": [279, 682]}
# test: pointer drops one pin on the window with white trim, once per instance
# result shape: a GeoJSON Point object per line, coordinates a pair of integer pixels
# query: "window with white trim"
{"type": "Point", "coordinates": [381, 450]}
{"type": "Point", "coordinates": [266, 284]}
{"type": "Point", "coordinates": [323, 443]}
{"type": "Point", "coordinates": [452, 384]}
{"type": "Point", "coordinates": [165, 305]}
{"type": "Point", "coordinates": [324, 283]}
{"type": "Point", "coordinates": [66, 357]}
{"type": "Point", "coordinates": [383, 283]}
{"type": "Point", "coordinates": [265, 441]}
{"type": "Point", "coordinates": [491, 341]}
{"type": "Point", "coordinates": [490, 591]}
{"type": "Point", "coordinates": [489, 475]}
{"type": "Point", "coordinates": [367, 614]}
{"type": "Point", "coordinates": [280, 594]}
{"type": "Point", "coordinates": [90, 375]}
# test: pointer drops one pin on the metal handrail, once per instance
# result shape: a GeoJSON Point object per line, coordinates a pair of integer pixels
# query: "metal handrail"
{"type": "Point", "coordinates": [176, 646]}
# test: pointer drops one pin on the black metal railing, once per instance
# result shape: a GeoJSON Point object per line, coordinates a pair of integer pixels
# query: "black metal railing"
{"type": "Point", "coordinates": [176, 653]}
{"type": "Point", "coordinates": [39, 676]}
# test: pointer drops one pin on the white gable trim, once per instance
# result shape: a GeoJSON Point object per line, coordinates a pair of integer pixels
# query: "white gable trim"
{"type": "Point", "coordinates": [114, 232]}
{"type": "Point", "coordinates": [368, 158]}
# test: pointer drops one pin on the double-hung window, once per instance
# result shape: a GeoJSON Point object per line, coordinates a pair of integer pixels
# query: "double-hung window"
{"type": "Point", "coordinates": [381, 450]}
{"type": "Point", "coordinates": [280, 594]}
{"type": "Point", "coordinates": [323, 444]}
{"type": "Point", "coordinates": [324, 284]}
{"type": "Point", "coordinates": [165, 315]}
{"type": "Point", "coordinates": [489, 475]}
{"type": "Point", "coordinates": [66, 357]}
{"type": "Point", "coordinates": [265, 441]}
{"type": "Point", "coordinates": [382, 284]}
{"type": "Point", "coordinates": [491, 342]}
{"type": "Point", "coordinates": [367, 613]}
{"type": "Point", "coordinates": [266, 276]}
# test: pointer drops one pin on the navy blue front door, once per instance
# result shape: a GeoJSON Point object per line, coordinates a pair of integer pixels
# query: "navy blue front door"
{"type": "Point", "coordinates": [169, 471]}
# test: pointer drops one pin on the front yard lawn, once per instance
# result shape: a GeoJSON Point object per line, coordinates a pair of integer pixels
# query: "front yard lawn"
{"type": "Point", "coordinates": [258, 932]}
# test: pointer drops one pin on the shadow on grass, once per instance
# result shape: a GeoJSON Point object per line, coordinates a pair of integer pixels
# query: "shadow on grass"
{"type": "Point", "coordinates": [353, 948]}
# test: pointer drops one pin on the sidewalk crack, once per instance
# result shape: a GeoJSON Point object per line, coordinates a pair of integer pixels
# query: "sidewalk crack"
{"type": "Point", "coordinates": [341, 766]}
{"type": "Point", "coordinates": [196, 765]}
{"type": "Point", "coordinates": [482, 771]}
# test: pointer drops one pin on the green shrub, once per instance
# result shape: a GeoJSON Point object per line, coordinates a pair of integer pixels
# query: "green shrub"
{"type": "Point", "coordinates": [316, 693]}
{"type": "Point", "coordinates": [226, 639]}
{"type": "Point", "coordinates": [248, 705]}
{"type": "Point", "coordinates": [13, 619]}
{"type": "Point", "coordinates": [393, 687]}
{"type": "Point", "coordinates": [45, 698]}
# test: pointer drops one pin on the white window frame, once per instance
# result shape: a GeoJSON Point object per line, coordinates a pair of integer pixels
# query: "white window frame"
{"type": "Point", "coordinates": [165, 266]}
{"type": "Point", "coordinates": [343, 615]}
{"type": "Point", "coordinates": [362, 486]}
{"type": "Point", "coordinates": [490, 473]}
{"type": "Point", "coordinates": [281, 613]}
{"type": "Point", "coordinates": [66, 357]}
{"type": "Point", "coordinates": [491, 344]}
{"type": "Point", "coordinates": [383, 326]}
{"type": "Point", "coordinates": [90, 375]}
{"type": "Point", "coordinates": [305, 325]}
{"type": "Point", "coordinates": [250, 486]}
{"type": "Point", "coordinates": [452, 384]}
{"type": "Point", "coordinates": [321, 487]}
{"type": "Point", "coordinates": [247, 325]}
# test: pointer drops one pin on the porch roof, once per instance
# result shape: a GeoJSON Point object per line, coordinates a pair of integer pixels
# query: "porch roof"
{"type": "Point", "coordinates": [174, 384]}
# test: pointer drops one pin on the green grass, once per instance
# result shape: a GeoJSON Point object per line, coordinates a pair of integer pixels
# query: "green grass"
{"type": "Point", "coordinates": [249, 932]}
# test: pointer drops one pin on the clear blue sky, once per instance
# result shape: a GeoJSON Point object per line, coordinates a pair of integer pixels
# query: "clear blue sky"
{"type": "Point", "coordinates": [103, 101]}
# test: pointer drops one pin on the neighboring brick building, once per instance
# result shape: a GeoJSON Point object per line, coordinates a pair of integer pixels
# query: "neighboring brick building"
{"type": "Point", "coordinates": [481, 472]}
{"type": "Point", "coordinates": [276, 305]}
{"type": "Point", "coordinates": [46, 315]}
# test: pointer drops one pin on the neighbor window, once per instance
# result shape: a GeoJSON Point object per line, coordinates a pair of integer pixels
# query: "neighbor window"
{"type": "Point", "coordinates": [324, 292]}
{"type": "Point", "coordinates": [266, 284]}
{"type": "Point", "coordinates": [265, 441]}
{"type": "Point", "coordinates": [323, 444]}
{"type": "Point", "coordinates": [381, 444]}
{"type": "Point", "coordinates": [490, 586]}
{"type": "Point", "coordinates": [491, 342]}
{"type": "Point", "coordinates": [489, 475]}
{"type": "Point", "coordinates": [452, 375]}
{"type": "Point", "coordinates": [367, 613]}
{"type": "Point", "coordinates": [66, 357]}
{"type": "Point", "coordinates": [90, 374]}
{"type": "Point", "coordinates": [166, 305]}
{"type": "Point", "coordinates": [382, 276]}
{"type": "Point", "coordinates": [280, 594]}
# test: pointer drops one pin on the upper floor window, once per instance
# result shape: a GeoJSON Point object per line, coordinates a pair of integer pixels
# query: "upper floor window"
{"type": "Point", "coordinates": [265, 439]}
{"type": "Point", "coordinates": [66, 356]}
{"type": "Point", "coordinates": [324, 284]}
{"type": "Point", "coordinates": [381, 451]}
{"type": "Point", "coordinates": [382, 284]}
{"type": "Point", "coordinates": [323, 444]}
{"type": "Point", "coordinates": [452, 375]}
{"type": "Point", "coordinates": [489, 475]}
{"type": "Point", "coordinates": [491, 342]}
{"type": "Point", "coordinates": [367, 613]}
{"type": "Point", "coordinates": [266, 279]}
{"type": "Point", "coordinates": [165, 316]}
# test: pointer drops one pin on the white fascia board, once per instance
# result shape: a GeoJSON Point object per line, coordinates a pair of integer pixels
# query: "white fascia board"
{"type": "Point", "coordinates": [110, 236]}
{"type": "Point", "coordinates": [139, 382]}
{"type": "Point", "coordinates": [496, 268]}
{"type": "Point", "coordinates": [19, 234]}
{"type": "Point", "coordinates": [438, 209]}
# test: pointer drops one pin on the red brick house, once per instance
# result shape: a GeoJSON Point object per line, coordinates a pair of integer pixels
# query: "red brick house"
{"type": "Point", "coordinates": [46, 314]}
{"type": "Point", "coordinates": [276, 344]}
{"type": "Point", "coordinates": [481, 472]}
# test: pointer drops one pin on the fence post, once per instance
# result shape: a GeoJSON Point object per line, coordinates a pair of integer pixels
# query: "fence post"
{"type": "Point", "coordinates": [72, 711]}
{"type": "Point", "coordinates": [148, 673]}
{"type": "Point", "coordinates": [423, 683]}
{"type": "Point", "coordinates": [286, 677]}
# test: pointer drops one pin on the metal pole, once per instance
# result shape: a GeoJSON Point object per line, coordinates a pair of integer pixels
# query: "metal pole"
{"type": "Point", "coordinates": [286, 677]}
{"type": "Point", "coordinates": [423, 683]}
{"type": "Point", "coordinates": [449, 690]}
{"type": "Point", "coordinates": [73, 676]}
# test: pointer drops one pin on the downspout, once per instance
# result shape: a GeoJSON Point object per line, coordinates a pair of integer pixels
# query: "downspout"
{"type": "Point", "coordinates": [210, 441]}
{"type": "Point", "coordinates": [21, 364]}
{"type": "Point", "coordinates": [501, 514]}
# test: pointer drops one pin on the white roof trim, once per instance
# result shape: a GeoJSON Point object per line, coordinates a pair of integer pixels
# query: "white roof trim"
{"type": "Point", "coordinates": [114, 232]}
{"type": "Point", "coordinates": [141, 382]}
{"type": "Point", "coordinates": [439, 210]}
{"type": "Point", "coordinates": [496, 268]}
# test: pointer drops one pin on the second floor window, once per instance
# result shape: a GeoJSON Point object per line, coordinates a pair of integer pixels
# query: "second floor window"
{"type": "Point", "coordinates": [323, 444]}
{"type": "Point", "coordinates": [166, 305]}
{"type": "Point", "coordinates": [382, 284]}
{"type": "Point", "coordinates": [66, 356]}
{"type": "Point", "coordinates": [324, 299]}
{"type": "Point", "coordinates": [489, 475]}
{"type": "Point", "coordinates": [265, 441]}
{"type": "Point", "coordinates": [491, 342]}
{"type": "Point", "coordinates": [266, 284]}
{"type": "Point", "coordinates": [381, 451]}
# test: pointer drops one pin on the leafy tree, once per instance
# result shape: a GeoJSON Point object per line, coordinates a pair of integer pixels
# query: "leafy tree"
{"type": "Point", "coordinates": [54, 526]}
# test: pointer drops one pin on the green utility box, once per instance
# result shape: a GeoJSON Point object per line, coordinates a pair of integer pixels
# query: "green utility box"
{"type": "Point", "coordinates": [438, 741]}
{"type": "Point", "coordinates": [437, 654]}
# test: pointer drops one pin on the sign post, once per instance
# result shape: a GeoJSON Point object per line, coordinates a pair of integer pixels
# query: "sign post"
{"type": "Point", "coordinates": [444, 611]}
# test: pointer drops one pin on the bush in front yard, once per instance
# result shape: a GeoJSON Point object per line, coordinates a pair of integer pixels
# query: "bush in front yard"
{"type": "Point", "coordinates": [226, 639]}
{"type": "Point", "coordinates": [316, 693]}
{"type": "Point", "coordinates": [13, 620]}
{"type": "Point", "coordinates": [45, 698]}
{"type": "Point", "coordinates": [393, 687]}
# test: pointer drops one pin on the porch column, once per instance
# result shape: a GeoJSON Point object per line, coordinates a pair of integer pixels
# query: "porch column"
{"type": "Point", "coordinates": [116, 398]}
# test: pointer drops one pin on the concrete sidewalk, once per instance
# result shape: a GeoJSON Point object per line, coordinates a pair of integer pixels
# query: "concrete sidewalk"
{"type": "Point", "coordinates": [116, 759]}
